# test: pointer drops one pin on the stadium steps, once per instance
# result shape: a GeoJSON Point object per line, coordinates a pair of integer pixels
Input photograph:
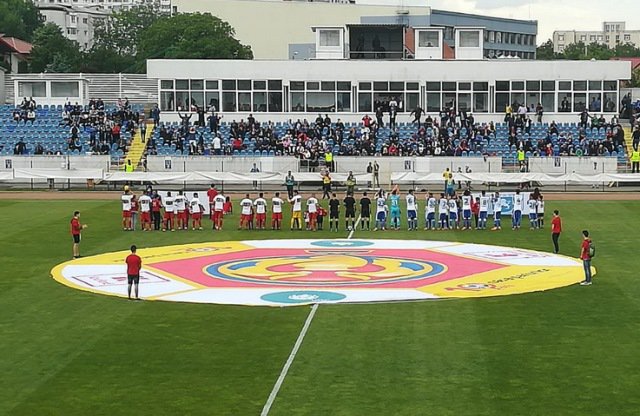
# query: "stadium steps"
{"type": "Point", "coordinates": [137, 148]}
{"type": "Point", "coordinates": [628, 145]}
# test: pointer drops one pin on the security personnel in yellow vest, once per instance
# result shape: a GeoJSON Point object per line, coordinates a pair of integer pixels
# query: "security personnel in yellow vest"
{"type": "Point", "coordinates": [521, 160]}
{"type": "Point", "coordinates": [351, 183]}
{"type": "Point", "coordinates": [328, 160]}
{"type": "Point", "coordinates": [635, 160]}
{"type": "Point", "coordinates": [326, 186]}
{"type": "Point", "coordinates": [128, 167]}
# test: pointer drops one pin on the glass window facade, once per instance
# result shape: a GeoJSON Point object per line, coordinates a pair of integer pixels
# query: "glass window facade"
{"type": "Point", "coordinates": [330, 96]}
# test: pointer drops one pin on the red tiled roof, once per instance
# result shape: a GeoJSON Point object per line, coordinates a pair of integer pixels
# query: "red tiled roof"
{"type": "Point", "coordinates": [17, 45]}
{"type": "Point", "coordinates": [635, 62]}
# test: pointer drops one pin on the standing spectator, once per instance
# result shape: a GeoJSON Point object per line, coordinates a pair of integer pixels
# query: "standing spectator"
{"type": "Point", "coordinates": [635, 160]}
{"type": "Point", "coordinates": [586, 254]}
{"type": "Point", "coordinates": [379, 118]}
{"type": "Point", "coordinates": [417, 113]}
{"type": "Point", "coordinates": [369, 171]}
{"type": "Point", "coordinates": [155, 115]}
{"type": "Point", "coordinates": [539, 112]}
{"type": "Point", "coordinates": [556, 229]}
{"type": "Point", "coordinates": [328, 159]}
{"type": "Point", "coordinates": [255, 169]}
{"type": "Point", "coordinates": [376, 174]}
{"type": "Point", "coordinates": [445, 177]}
{"type": "Point", "coordinates": [134, 264]}
{"type": "Point", "coordinates": [393, 112]}
{"type": "Point", "coordinates": [76, 230]}
{"type": "Point", "coordinates": [217, 145]}
{"type": "Point", "coordinates": [289, 182]}
{"type": "Point", "coordinates": [143, 130]}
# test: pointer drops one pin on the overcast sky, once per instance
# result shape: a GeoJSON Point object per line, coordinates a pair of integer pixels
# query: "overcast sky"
{"type": "Point", "coordinates": [552, 14]}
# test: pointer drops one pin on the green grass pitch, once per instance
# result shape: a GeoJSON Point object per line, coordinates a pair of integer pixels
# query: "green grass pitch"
{"type": "Point", "coordinates": [570, 351]}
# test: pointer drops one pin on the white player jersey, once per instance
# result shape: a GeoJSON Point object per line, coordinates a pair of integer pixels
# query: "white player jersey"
{"type": "Point", "coordinates": [432, 203]}
{"type": "Point", "coordinates": [218, 202]}
{"type": "Point", "coordinates": [181, 202]}
{"type": "Point", "coordinates": [194, 206]}
{"type": "Point", "coordinates": [246, 205]}
{"type": "Point", "coordinates": [540, 207]}
{"type": "Point", "coordinates": [261, 206]}
{"type": "Point", "coordinates": [443, 207]}
{"type": "Point", "coordinates": [411, 203]}
{"type": "Point", "coordinates": [453, 206]}
{"type": "Point", "coordinates": [484, 203]}
{"type": "Point", "coordinates": [497, 205]}
{"type": "Point", "coordinates": [276, 203]}
{"type": "Point", "coordinates": [145, 203]}
{"type": "Point", "coordinates": [297, 202]}
{"type": "Point", "coordinates": [466, 202]}
{"type": "Point", "coordinates": [533, 204]}
{"type": "Point", "coordinates": [169, 204]}
{"type": "Point", "coordinates": [381, 204]}
{"type": "Point", "coordinates": [312, 205]}
{"type": "Point", "coordinates": [126, 202]}
{"type": "Point", "coordinates": [517, 202]}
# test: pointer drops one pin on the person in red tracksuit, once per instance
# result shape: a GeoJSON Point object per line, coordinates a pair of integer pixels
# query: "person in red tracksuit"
{"type": "Point", "coordinates": [156, 206]}
{"type": "Point", "coordinates": [475, 210]}
{"type": "Point", "coordinates": [134, 264]}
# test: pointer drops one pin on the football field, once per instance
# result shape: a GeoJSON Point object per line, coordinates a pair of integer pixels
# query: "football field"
{"type": "Point", "coordinates": [567, 351]}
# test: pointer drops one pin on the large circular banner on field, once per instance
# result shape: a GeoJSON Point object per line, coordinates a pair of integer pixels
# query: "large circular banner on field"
{"type": "Point", "coordinates": [294, 272]}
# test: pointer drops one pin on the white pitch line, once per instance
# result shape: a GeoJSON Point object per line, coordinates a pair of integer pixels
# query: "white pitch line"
{"type": "Point", "coordinates": [292, 356]}
{"type": "Point", "coordinates": [296, 346]}
{"type": "Point", "coordinates": [353, 230]}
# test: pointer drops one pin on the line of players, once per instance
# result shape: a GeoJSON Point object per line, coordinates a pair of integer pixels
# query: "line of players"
{"type": "Point", "coordinates": [446, 212]}
{"type": "Point", "coordinates": [440, 213]}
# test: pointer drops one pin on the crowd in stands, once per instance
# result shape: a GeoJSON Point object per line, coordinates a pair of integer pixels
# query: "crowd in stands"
{"type": "Point", "coordinates": [450, 133]}
{"type": "Point", "coordinates": [99, 129]}
{"type": "Point", "coordinates": [92, 128]}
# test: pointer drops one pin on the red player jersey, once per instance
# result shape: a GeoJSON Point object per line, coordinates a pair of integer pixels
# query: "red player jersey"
{"type": "Point", "coordinates": [75, 226]}
{"type": "Point", "coordinates": [134, 264]}
{"type": "Point", "coordinates": [211, 193]}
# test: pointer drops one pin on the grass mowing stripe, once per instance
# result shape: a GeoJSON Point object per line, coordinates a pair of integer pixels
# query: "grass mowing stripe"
{"type": "Point", "coordinates": [287, 365]}
{"type": "Point", "coordinates": [296, 347]}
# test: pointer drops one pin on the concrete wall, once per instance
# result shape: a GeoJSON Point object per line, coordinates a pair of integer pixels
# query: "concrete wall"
{"type": "Point", "coordinates": [3, 90]}
{"type": "Point", "coordinates": [421, 71]}
{"type": "Point", "coordinates": [270, 26]}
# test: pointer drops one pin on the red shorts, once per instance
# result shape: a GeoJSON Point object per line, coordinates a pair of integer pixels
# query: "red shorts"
{"type": "Point", "coordinates": [126, 214]}
{"type": "Point", "coordinates": [276, 216]}
{"type": "Point", "coordinates": [261, 217]}
{"type": "Point", "coordinates": [168, 215]}
{"type": "Point", "coordinates": [246, 217]}
{"type": "Point", "coordinates": [145, 216]}
{"type": "Point", "coordinates": [217, 215]}
{"type": "Point", "coordinates": [181, 215]}
{"type": "Point", "coordinates": [196, 215]}
{"type": "Point", "coordinates": [313, 216]}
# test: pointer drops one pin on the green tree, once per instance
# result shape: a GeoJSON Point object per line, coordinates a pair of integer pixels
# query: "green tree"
{"type": "Point", "coordinates": [626, 50]}
{"type": "Point", "coordinates": [545, 51]}
{"type": "Point", "coordinates": [107, 61]}
{"type": "Point", "coordinates": [191, 36]}
{"type": "Point", "coordinates": [121, 32]}
{"type": "Point", "coordinates": [52, 52]}
{"type": "Point", "coordinates": [19, 18]}
{"type": "Point", "coordinates": [635, 78]}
